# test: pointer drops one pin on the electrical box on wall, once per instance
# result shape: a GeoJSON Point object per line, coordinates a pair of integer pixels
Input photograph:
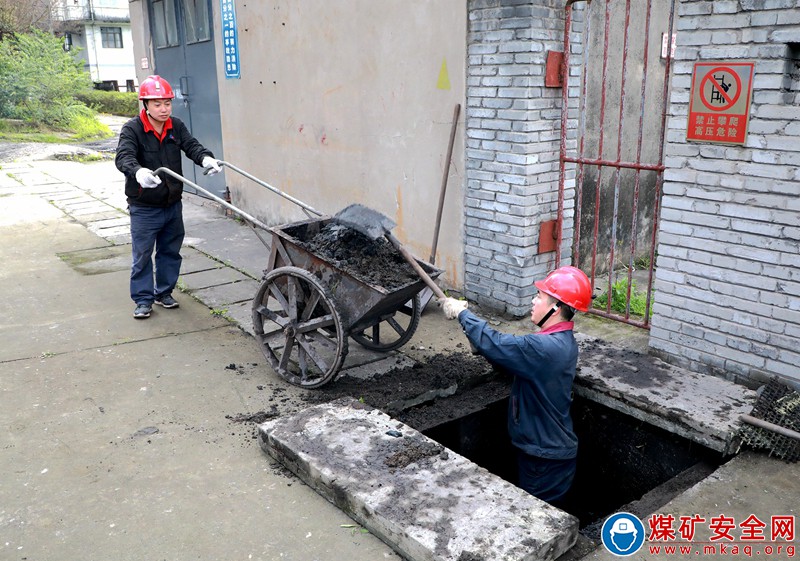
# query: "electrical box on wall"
{"type": "Point", "coordinates": [548, 232]}
{"type": "Point", "coordinates": [552, 69]}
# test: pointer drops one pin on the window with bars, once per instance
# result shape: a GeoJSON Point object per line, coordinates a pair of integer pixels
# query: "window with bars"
{"type": "Point", "coordinates": [111, 37]}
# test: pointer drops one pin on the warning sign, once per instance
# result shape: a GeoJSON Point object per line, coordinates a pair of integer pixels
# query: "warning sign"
{"type": "Point", "coordinates": [719, 108]}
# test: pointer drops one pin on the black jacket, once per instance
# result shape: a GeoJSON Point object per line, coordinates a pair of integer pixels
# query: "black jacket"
{"type": "Point", "coordinates": [138, 149]}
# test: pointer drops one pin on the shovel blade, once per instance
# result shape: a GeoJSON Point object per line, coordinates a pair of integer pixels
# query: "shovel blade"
{"type": "Point", "coordinates": [363, 219]}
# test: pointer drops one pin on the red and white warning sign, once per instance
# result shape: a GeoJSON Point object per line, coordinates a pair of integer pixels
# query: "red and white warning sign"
{"type": "Point", "coordinates": [719, 108]}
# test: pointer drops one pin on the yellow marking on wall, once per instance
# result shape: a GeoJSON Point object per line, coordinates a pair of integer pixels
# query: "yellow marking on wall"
{"type": "Point", "coordinates": [400, 229]}
{"type": "Point", "coordinates": [444, 78]}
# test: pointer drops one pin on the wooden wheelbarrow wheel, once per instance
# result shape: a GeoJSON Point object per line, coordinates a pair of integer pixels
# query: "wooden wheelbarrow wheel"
{"type": "Point", "coordinates": [301, 333]}
{"type": "Point", "coordinates": [393, 330]}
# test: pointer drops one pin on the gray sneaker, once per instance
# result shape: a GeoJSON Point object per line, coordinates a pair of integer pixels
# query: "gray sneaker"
{"type": "Point", "coordinates": [142, 311]}
{"type": "Point", "coordinates": [167, 301]}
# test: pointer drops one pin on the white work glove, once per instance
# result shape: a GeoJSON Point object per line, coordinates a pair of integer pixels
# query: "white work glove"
{"type": "Point", "coordinates": [211, 165]}
{"type": "Point", "coordinates": [146, 178]}
{"type": "Point", "coordinates": [453, 307]}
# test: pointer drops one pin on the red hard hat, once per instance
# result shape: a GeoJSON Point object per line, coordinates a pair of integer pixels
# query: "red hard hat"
{"type": "Point", "coordinates": [155, 87]}
{"type": "Point", "coordinates": [569, 285]}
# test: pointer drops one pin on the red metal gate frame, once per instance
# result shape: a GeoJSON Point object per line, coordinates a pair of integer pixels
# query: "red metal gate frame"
{"type": "Point", "coordinates": [581, 160]}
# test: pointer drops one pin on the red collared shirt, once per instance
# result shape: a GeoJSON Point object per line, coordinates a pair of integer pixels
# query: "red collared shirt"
{"type": "Point", "coordinates": [560, 326]}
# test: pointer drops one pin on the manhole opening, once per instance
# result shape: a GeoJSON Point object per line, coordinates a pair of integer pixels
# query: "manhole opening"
{"type": "Point", "coordinates": [622, 461]}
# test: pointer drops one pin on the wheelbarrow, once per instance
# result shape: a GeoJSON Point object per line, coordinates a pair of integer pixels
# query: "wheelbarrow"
{"type": "Point", "coordinates": [307, 307]}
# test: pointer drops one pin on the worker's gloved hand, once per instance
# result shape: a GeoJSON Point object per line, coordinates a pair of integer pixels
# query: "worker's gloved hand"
{"type": "Point", "coordinates": [146, 178]}
{"type": "Point", "coordinates": [211, 165]}
{"type": "Point", "coordinates": [453, 307]}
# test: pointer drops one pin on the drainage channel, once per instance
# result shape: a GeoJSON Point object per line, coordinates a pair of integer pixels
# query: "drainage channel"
{"type": "Point", "coordinates": [646, 432]}
{"type": "Point", "coordinates": [622, 461]}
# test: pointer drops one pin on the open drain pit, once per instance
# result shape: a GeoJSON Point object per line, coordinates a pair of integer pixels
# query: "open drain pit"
{"type": "Point", "coordinates": [622, 462]}
{"type": "Point", "coordinates": [647, 433]}
{"type": "Point", "coordinates": [460, 401]}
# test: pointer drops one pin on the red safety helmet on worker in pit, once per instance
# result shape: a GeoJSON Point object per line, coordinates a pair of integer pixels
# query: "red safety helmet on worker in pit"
{"type": "Point", "coordinates": [155, 87]}
{"type": "Point", "coordinates": [569, 285]}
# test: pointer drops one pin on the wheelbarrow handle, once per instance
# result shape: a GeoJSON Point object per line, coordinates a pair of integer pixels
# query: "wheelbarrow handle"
{"type": "Point", "coordinates": [223, 202]}
{"type": "Point", "coordinates": [275, 190]}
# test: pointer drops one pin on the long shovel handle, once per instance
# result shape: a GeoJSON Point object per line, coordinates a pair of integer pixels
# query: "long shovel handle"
{"type": "Point", "coordinates": [770, 426]}
{"type": "Point", "coordinates": [443, 189]}
{"type": "Point", "coordinates": [223, 202]}
{"type": "Point", "coordinates": [417, 267]}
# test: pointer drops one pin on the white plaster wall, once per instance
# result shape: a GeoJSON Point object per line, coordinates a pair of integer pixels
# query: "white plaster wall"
{"type": "Point", "coordinates": [343, 102]}
{"type": "Point", "coordinates": [110, 64]}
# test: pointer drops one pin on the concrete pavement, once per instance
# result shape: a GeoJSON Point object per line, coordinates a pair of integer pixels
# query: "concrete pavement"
{"type": "Point", "coordinates": [121, 439]}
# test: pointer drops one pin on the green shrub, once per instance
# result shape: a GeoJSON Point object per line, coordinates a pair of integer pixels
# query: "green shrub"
{"type": "Point", "coordinates": [125, 104]}
{"type": "Point", "coordinates": [38, 80]}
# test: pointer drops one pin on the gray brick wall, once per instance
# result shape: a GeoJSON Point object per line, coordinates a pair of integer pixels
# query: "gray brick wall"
{"type": "Point", "coordinates": [512, 150]}
{"type": "Point", "coordinates": [727, 276]}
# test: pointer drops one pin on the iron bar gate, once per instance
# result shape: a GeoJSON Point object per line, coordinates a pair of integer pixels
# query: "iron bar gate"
{"type": "Point", "coordinates": [616, 196]}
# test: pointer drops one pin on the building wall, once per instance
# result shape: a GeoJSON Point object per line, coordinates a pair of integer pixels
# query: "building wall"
{"type": "Point", "coordinates": [84, 19]}
{"type": "Point", "coordinates": [343, 102]}
{"type": "Point", "coordinates": [106, 64]}
{"type": "Point", "coordinates": [513, 140]}
{"type": "Point", "coordinates": [727, 285]}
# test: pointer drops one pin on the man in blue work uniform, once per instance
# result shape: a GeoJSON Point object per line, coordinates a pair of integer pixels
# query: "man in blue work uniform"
{"type": "Point", "coordinates": [543, 367]}
{"type": "Point", "coordinates": [151, 140]}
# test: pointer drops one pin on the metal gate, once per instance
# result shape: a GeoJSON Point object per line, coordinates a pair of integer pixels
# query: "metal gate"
{"type": "Point", "coordinates": [615, 76]}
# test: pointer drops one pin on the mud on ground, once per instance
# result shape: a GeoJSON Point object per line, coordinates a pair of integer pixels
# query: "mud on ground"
{"type": "Point", "coordinates": [439, 389]}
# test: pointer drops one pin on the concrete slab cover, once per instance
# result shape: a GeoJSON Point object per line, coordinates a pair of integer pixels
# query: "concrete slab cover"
{"type": "Point", "coordinates": [424, 500]}
{"type": "Point", "coordinates": [702, 408]}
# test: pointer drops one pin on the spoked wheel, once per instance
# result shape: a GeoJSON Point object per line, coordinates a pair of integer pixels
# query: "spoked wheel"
{"type": "Point", "coordinates": [391, 331]}
{"type": "Point", "coordinates": [300, 331]}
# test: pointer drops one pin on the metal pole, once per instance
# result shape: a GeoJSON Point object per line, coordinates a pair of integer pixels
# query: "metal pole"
{"type": "Point", "coordinates": [275, 190]}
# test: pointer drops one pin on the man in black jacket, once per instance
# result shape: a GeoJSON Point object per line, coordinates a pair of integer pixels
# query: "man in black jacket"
{"type": "Point", "coordinates": [149, 141]}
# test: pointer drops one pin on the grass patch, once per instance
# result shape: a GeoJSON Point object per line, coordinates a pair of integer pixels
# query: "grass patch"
{"type": "Point", "coordinates": [619, 296]}
{"type": "Point", "coordinates": [82, 158]}
{"type": "Point", "coordinates": [83, 128]}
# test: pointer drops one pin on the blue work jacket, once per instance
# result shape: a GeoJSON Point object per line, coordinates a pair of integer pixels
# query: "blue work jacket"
{"type": "Point", "coordinates": [543, 368]}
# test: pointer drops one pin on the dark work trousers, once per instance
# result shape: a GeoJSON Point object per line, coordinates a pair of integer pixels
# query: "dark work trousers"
{"type": "Point", "coordinates": [543, 478]}
{"type": "Point", "coordinates": [160, 229]}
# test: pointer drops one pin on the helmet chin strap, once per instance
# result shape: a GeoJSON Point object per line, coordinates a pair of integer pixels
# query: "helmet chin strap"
{"type": "Point", "coordinates": [553, 310]}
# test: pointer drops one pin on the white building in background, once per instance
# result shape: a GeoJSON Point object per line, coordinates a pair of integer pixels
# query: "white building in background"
{"type": "Point", "coordinates": [101, 29]}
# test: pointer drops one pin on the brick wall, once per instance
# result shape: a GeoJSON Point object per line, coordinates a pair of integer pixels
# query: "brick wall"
{"type": "Point", "coordinates": [728, 269]}
{"type": "Point", "coordinates": [512, 150]}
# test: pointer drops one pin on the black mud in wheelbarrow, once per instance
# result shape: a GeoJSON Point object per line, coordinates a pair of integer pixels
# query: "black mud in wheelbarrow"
{"type": "Point", "coordinates": [308, 305]}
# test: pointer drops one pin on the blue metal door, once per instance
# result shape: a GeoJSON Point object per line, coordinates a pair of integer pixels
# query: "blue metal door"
{"type": "Point", "coordinates": [183, 45]}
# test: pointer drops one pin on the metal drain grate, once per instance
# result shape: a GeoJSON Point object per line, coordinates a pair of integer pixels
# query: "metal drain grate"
{"type": "Point", "coordinates": [778, 405]}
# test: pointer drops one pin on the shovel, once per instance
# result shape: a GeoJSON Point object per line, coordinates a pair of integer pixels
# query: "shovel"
{"type": "Point", "coordinates": [374, 225]}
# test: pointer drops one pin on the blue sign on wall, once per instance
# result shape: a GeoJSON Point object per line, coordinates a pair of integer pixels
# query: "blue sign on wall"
{"type": "Point", "coordinates": [230, 39]}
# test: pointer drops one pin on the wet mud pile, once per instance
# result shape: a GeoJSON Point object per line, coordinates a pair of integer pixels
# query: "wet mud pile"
{"type": "Point", "coordinates": [375, 262]}
{"type": "Point", "coordinates": [431, 392]}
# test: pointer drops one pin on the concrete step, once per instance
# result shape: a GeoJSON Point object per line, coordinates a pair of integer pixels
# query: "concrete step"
{"type": "Point", "coordinates": [425, 501]}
